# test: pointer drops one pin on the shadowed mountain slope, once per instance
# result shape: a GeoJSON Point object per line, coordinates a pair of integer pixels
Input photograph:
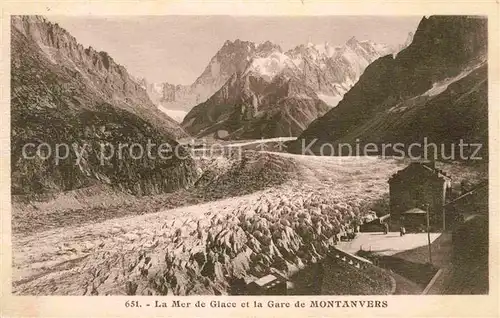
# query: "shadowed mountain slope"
{"type": "Point", "coordinates": [435, 88]}
{"type": "Point", "coordinates": [63, 94]}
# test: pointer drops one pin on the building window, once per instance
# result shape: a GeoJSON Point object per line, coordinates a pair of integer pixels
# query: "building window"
{"type": "Point", "coordinates": [418, 197]}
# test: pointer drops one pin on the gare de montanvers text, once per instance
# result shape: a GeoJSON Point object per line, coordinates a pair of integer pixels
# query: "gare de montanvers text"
{"type": "Point", "coordinates": [257, 304]}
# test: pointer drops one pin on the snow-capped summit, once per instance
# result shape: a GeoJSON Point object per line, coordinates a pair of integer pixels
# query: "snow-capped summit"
{"type": "Point", "coordinates": [232, 57]}
{"type": "Point", "coordinates": [268, 62]}
{"type": "Point", "coordinates": [325, 49]}
{"type": "Point", "coordinates": [269, 66]}
{"type": "Point", "coordinates": [266, 48]}
{"type": "Point", "coordinates": [329, 71]}
{"type": "Point", "coordinates": [352, 41]}
{"type": "Point", "coordinates": [435, 88]}
{"type": "Point", "coordinates": [280, 93]}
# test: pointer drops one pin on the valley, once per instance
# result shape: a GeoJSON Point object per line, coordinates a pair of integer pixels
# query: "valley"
{"type": "Point", "coordinates": [238, 203]}
{"type": "Point", "coordinates": [244, 226]}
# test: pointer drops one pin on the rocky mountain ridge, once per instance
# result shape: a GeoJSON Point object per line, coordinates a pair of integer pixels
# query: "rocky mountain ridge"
{"type": "Point", "coordinates": [279, 93]}
{"type": "Point", "coordinates": [336, 69]}
{"type": "Point", "coordinates": [436, 88]}
{"type": "Point", "coordinates": [64, 94]}
{"type": "Point", "coordinates": [110, 81]}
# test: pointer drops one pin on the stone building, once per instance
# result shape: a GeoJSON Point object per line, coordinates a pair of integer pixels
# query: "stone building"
{"type": "Point", "coordinates": [416, 188]}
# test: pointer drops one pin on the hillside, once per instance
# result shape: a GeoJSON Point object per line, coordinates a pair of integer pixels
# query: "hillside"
{"type": "Point", "coordinates": [435, 88]}
{"type": "Point", "coordinates": [65, 94]}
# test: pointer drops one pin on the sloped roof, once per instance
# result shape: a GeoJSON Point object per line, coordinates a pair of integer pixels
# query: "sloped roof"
{"type": "Point", "coordinates": [424, 166]}
{"type": "Point", "coordinates": [415, 211]}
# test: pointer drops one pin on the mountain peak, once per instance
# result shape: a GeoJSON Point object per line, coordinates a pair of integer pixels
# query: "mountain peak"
{"type": "Point", "coordinates": [440, 60]}
{"type": "Point", "coordinates": [352, 41]}
{"type": "Point", "coordinates": [236, 46]}
{"type": "Point", "coordinates": [268, 47]}
{"type": "Point", "coordinates": [434, 32]}
{"type": "Point", "coordinates": [237, 43]}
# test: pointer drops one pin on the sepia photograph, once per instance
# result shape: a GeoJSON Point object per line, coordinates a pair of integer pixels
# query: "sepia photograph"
{"type": "Point", "coordinates": [232, 155]}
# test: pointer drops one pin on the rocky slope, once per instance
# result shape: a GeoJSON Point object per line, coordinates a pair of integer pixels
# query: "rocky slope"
{"type": "Point", "coordinates": [62, 93]}
{"type": "Point", "coordinates": [435, 88]}
{"type": "Point", "coordinates": [249, 107]}
{"type": "Point", "coordinates": [331, 71]}
{"type": "Point", "coordinates": [280, 93]}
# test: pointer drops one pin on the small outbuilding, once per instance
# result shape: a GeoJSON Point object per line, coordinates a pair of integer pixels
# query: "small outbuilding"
{"type": "Point", "coordinates": [415, 220]}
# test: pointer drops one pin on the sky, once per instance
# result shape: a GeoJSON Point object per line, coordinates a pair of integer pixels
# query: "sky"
{"type": "Point", "coordinates": [176, 49]}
